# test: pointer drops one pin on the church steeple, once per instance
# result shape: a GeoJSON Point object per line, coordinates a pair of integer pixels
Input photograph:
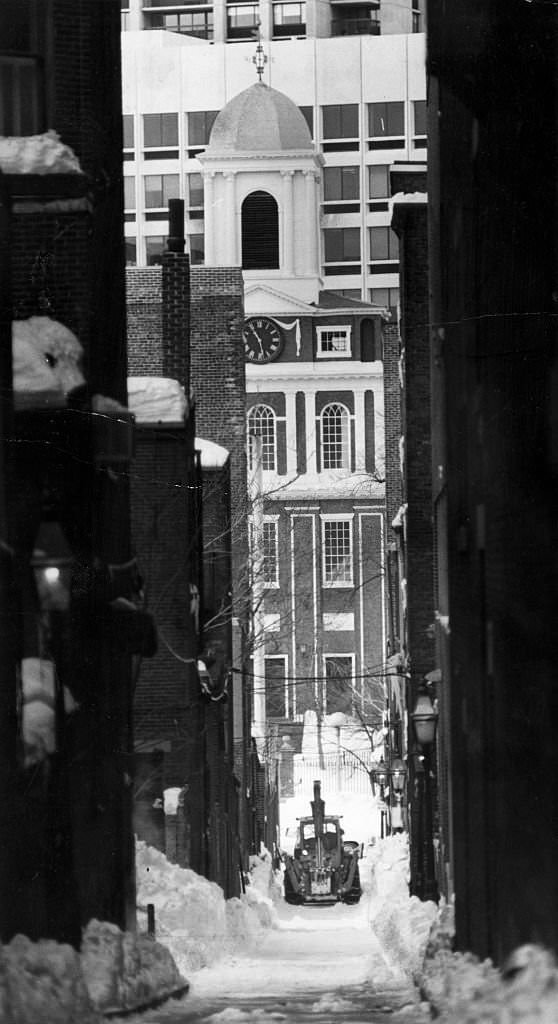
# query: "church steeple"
{"type": "Point", "coordinates": [262, 189]}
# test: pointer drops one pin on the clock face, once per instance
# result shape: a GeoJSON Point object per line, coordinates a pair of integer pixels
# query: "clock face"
{"type": "Point", "coordinates": [263, 341]}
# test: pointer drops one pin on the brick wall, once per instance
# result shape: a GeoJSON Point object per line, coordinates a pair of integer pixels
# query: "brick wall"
{"type": "Point", "coordinates": [160, 520]}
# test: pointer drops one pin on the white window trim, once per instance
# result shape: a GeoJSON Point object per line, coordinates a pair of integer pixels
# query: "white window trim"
{"type": "Point", "coordinates": [346, 517]}
{"type": "Point", "coordinates": [254, 468]}
{"type": "Point", "coordinates": [338, 328]}
{"type": "Point", "coordinates": [287, 693]}
{"type": "Point", "coordinates": [275, 585]}
{"type": "Point", "coordinates": [332, 657]}
{"type": "Point", "coordinates": [350, 428]}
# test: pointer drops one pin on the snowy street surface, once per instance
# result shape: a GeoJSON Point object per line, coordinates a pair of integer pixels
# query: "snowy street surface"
{"type": "Point", "coordinates": [320, 964]}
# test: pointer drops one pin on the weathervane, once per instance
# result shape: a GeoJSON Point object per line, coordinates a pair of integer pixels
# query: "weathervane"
{"type": "Point", "coordinates": [260, 58]}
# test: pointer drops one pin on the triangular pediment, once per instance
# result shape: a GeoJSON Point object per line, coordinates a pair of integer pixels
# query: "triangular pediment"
{"type": "Point", "coordinates": [260, 298]}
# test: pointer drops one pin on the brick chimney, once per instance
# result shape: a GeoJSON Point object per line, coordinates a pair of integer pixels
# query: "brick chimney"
{"type": "Point", "coordinates": [176, 300]}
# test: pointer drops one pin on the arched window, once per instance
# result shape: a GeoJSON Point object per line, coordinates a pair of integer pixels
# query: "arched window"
{"type": "Point", "coordinates": [261, 423]}
{"type": "Point", "coordinates": [335, 437]}
{"type": "Point", "coordinates": [260, 232]}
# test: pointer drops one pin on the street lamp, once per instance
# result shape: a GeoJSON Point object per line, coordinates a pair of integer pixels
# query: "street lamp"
{"type": "Point", "coordinates": [398, 776]}
{"type": "Point", "coordinates": [425, 719]}
{"type": "Point", "coordinates": [379, 776]}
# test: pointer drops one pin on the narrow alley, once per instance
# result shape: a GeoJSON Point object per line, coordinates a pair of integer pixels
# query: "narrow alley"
{"type": "Point", "coordinates": [320, 964]}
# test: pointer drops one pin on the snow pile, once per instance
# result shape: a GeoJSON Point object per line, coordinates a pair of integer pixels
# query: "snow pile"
{"type": "Point", "coordinates": [191, 914]}
{"type": "Point", "coordinates": [466, 990]}
{"type": "Point", "coordinates": [156, 399]}
{"type": "Point", "coordinates": [37, 154]}
{"type": "Point", "coordinates": [402, 923]}
{"type": "Point", "coordinates": [46, 357]}
{"type": "Point", "coordinates": [124, 970]}
{"type": "Point", "coordinates": [42, 981]}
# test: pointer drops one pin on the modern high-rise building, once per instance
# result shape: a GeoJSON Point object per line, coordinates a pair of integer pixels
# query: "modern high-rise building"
{"type": "Point", "coordinates": [234, 21]}
{"type": "Point", "coordinates": [363, 98]}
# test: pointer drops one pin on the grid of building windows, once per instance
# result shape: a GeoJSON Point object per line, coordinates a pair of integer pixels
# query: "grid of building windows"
{"type": "Point", "coordinates": [337, 551]}
{"type": "Point", "coordinates": [359, 142]}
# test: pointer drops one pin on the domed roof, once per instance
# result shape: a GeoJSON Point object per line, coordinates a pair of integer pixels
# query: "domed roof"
{"type": "Point", "coordinates": [259, 119]}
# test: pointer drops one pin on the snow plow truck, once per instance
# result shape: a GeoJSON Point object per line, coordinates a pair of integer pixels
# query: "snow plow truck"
{"type": "Point", "coordinates": [324, 866]}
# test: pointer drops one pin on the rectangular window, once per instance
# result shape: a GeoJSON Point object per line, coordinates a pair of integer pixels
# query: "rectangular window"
{"type": "Point", "coordinates": [342, 245]}
{"type": "Point", "coordinates": [242, 20]}
{"type": "Point", "coordinates": [159, 188]}
{"type": "Point", "coordinates": [200, 123]}
{"type": "Point", "coordinates": [128, 130]}
{"type": "Point", "coordinates": [387, 297]}
{"type": "Point", "coordinates": [277, 703]}
{"type": "Point", "coordinates": [129, 193]}
{"type": "Point", "coordinates": [386, 119]}
{"type": "Point", "coordinates": [130, 247]}
{"type": "Point", "coordinates": [289, 19]}
{"type": "Point", "coordinates": [21, 89]}
{"type": "Point", "coordinates": [419, 117]}
{"type": "Point", "coordinates": [340, 121]}
{"type": "Point", "coordinates": [188, 23]}
{"type": "Point", "coordinates": [378, 181]}
{"type": "Point", "coordinates": [337, 552]}
{"type": "Point", "coordinates": [333, 342]}
{"type": "Point", "coordinates": [308, 115]}
{"type": "Point", "coordinates": [270, 553]}
{"type": "Point", "coordinates": [341, 183]}
{"type": "Point", "coordinates": [339, 684]}
{"type": "Point", "coordinates": [154, 249]}
{"type": "Point", "coordinates": [195, 191]}
{"type": "Point", "coordinates": [384, 244]}
{"type": "Point", "coordinates": [160, 130]}
{"type": "Point", "coordinates": [197, 249]}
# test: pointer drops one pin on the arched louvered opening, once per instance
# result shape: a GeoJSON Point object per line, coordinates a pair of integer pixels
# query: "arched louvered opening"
{"type": "Point", "coordinates": [260, 232]}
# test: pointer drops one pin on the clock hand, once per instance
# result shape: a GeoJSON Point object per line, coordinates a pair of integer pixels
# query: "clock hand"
{"type": "Point", "coordinates": [257, 337]}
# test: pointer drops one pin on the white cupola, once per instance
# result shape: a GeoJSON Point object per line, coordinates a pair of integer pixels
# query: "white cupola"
{"type": "Point", "coordinates": [261, 193]}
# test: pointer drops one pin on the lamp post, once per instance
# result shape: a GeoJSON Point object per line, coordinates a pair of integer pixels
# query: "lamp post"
{"type": "Point", "coordinates": [398, 776]}
{"type": "Point", "coordinates": [379, 776]}
{"type": "Point", "coordinates": [425, 719]}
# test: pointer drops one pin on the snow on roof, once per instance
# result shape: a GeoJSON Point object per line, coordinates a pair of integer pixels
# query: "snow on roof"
{"type": "Point", "coordinates": [156, 399]}
{"type": "Point", "coordinates": [37, 154]}
{"type": "Point", "coordinates": [213, 456]}
{"type": "Point", "coordinates": [410, 197]}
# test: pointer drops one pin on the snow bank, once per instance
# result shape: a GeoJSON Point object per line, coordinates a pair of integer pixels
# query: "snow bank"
{"type": "Point", "coordinates": [192, 916]}
{"type": "Point", "coordinates": [461, 988]}
{"type": "Point", "coordinates": [124, 970]}
{"type": "Point", "coordinates": [43, 981]}
{"type": "Point", "coordinates": [402, 923]}
{"type": "Point", "coordinates": [37, 154]}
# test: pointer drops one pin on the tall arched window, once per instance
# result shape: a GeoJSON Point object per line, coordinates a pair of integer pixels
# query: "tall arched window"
{"type": "Point", "coordinates": [335, 437]}
{"type": "Point", "coordinates": [261, 423]}
{"type": "Point", "coordinates": [260, 232]}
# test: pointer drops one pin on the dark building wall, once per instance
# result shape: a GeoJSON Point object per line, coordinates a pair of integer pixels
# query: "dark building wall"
{"type": "Point", "coordinates": [66, 261]}
{"type": "Point", "coordinates": [160, 527]}
{"type": "Point", "coordinates": [409, 221]}
{"type": "Point", "coordinates": [493, 240]}
{"type": "Point", "coordinates": [394, 477]}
